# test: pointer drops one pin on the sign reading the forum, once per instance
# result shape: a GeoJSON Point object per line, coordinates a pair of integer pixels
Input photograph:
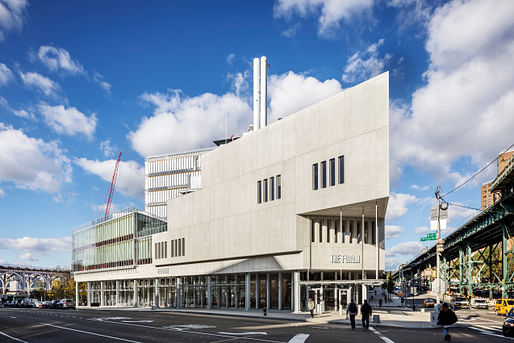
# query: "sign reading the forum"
{"type": "Point", "coordinates": [345, 258]}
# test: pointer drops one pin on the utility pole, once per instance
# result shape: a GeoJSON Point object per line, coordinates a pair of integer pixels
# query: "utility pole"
{"type": "Point", "coordinates": [437, 247]}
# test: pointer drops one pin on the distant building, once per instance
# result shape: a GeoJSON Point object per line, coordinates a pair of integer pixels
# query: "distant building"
{"type": "Point", "coordinates": [167, 176]}
{"type": "Point", "coordinates": [487, 198]}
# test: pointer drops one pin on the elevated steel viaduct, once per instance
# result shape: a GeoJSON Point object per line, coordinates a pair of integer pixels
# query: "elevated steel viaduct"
{"type": "Point", "coordinates": [480, 253]}
{"type": "Point", "coordinates": [27, 276]}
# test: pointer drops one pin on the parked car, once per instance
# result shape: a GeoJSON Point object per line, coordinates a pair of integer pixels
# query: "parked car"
{"type": "Point", "coordinates": [53, 304]}
{"type": "Point", "coordinates": [479, 303]}
{"type": "Point", "coordinates": [459, 302]}
{"type": "Point", "coordinates": [503, 306]}
{"type": "Point", "coordinates": [66, 304]}
{"type": "Point", "coordinates": [429, 303]}
{"type": "Point", "coordinates": [508, 324]}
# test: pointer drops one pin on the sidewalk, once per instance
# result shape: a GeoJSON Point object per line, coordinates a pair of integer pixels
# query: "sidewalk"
{"type": "Point", "coordinates": [394, 317]}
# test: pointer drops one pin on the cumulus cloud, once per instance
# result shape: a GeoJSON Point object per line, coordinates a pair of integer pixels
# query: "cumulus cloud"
{"type": "Point", "coordinates": [419, 188]}
{"type": "Point", "coordinates": [393, 231]}
{"type": "Point", "coordinates": [6, 74]}
{"type": "Point", "coordinates": [330, 12]}
{"type": "Point", "coordinates": [37, 244]}
{"type": "Point", "coordinates": [131, 175]}
{"type": "Point", "coordinates": [460, 214]}
{"type": "Point", "coordinates": [239, 83]}
{"type": "Point", "coordinates": [1, 192]}
{"type": "Point", "coordinates": [99, 78]}
{"type": "Point", "coordinates": [59, 59]}
{"type": "Point", "coordinates": [107, 148]}
{"type": "Point", "coordinates": [40, 82]}
{"type": "Point", "coordinates": [423, 230]}
{"type": "Point", "coordinates": [230, 58]}
{"type": "Point", "coordinates": [398, 204]}
{"type": "Point", "coordinates": [12, 16]}
{"type": "Point", "coordinates": [291, 92]}
{"type": "Point", "coordinates": [365, 64]}
{"type": "Point", "coordinates": [27, 257]}
{"type": "Point", "coordinates": [182, 123]}
{"type": "Point", "coordinates": [32, 163]}
{"type": "Point", "coordinates": [19, 113]}
{"type": "Point", "coordinates": [405, 249]}
{"type": "Point", "coordinates": [68, 120]}
{"type": "Point", "coordinates": [465, 109]}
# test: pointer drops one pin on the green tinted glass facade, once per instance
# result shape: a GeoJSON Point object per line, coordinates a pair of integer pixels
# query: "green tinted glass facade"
{"type": "Point", "coordinates": [120, 241]}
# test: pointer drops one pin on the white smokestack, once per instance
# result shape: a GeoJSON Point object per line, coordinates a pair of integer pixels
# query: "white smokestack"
{"type": "Point", "coordinates": [256, 94]}
{"type": "Point", "coordinates": [264, 92]}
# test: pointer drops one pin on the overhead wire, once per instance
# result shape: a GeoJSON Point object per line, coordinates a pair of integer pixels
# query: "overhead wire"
{"type": "Point", "coordinates": [478, 172]}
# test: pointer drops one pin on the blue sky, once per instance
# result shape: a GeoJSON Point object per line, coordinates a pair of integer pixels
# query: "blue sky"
{"type": "Point", "coordinates": [82, 81]}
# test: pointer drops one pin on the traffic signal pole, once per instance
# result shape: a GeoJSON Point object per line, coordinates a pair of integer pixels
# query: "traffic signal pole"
{"type": "Point", "coordinates": [437, 250]}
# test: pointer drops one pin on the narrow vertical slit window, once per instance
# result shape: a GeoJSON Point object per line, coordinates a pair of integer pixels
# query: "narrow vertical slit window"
{"type": "Point", "coordinates": [279, 187]}
{"type": "Point", "coordinates": [341, 169]}
{"type": "Point", "coordinates": [183, 247]}
{"type": "Point", "coordinates": [336, 230]}
{"type": "Point", "coordinates": [265, 189]}
{"type": "Point", "coordinates": [320, 231]}
{"type": "Point", "coordinates": [332, 167]}
{"type": "Point", "coordinates": [329, 230]}
{"type": "Point", "coordinates": [315, 176]}
{"type": "Point", "coordinates": [313, 232]}
{"type": "Point", "coordinates": [272, 188]}
{"type": "Point", "coordinates": [324, 174]}
{"type": "Point", "coordinates": [259, 192]}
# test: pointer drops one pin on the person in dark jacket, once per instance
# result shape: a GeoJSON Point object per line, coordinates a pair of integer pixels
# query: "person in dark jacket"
{"type": "Point", "coordinates": [352, 311]}
{"type": "Point", "coordinates": [446, 318]}
{"type": "Point", "coordinates": [365, 312]}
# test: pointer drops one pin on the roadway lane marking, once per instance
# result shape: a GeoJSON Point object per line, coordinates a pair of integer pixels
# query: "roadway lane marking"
{"type": "Point", "coordinates": [12, 317]}
{"type": "Point", "coordinates": [299, 338]}
{"type": "Point", "coordinates": [92, 333]}
{"type": "Point", "coordinates": [382, 337]}
{"type": "Point", "coordinates": [13, 338]}
{"type": "Point", "coordinates": [243, 333]}
{"type": "Point", "coordinates": [488, 328]}
{"type": "Point", "coordinates": [137, 321]}
{"type": "Point", "coordinates": [176, 328]}
{"type": "Point", "coordinates": [489, 333]}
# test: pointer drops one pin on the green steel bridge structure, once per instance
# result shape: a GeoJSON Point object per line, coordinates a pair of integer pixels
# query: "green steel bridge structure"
{"type": "Point", "coordinates": [480, 254]}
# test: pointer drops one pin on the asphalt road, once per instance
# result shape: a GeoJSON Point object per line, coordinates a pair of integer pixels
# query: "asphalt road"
{"type": "Point", "coordinates": [36, 325]}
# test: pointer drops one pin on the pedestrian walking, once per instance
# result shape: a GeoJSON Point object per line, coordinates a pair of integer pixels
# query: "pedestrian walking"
{"type": "Point", "coordinates": [365, 312]}
{"type": "Point", "coordinates": [446, 318]}
{"type": "Point", "coordinates": [310, 304]}
{"type": "Point", "coordinates": [351, 310]}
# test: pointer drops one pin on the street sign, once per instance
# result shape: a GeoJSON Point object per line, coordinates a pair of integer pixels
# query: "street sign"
{"type": "Point", "coordinates": [429, 237]}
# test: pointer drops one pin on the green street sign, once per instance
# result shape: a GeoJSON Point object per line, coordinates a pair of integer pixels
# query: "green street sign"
{"type": "Point", "coordinates": [429, 237]}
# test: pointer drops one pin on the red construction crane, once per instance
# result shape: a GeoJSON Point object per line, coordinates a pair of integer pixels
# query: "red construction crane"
{"type": "Point", "coordinates": [111, 189]}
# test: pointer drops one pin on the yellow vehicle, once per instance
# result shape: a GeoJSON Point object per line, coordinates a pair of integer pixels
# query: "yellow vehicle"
{"type": "Point", "coordinates": [503, 306]}
{"type": "Point", "coordinates": [429, 303]}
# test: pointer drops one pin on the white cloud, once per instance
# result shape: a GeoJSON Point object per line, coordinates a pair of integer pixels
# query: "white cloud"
{"type": "Point", "coordinates": [181, 123]}
{"type": "Point", "coordinates": [419, 188]}
{"type": "Point", "coordinates": [230, 58]}
{"type": "Point", "coordinates": [38, 81]}
{"type": "Point", "coordinates": [422, 230]}
{"type": "Point", "coordinates": [292, 31]}
{"type": "Point", "coordinates": [291, 92]}
{"type": "Point", "coordinates": [6, 74]}
{"type": "Point", "coordinates": [131, 176]}
{"type": "Point", "coordinates": [393, 231]}
{"type": "Point", "coordinates": [99, 78]}
{"type": "Point", "coordinates": [18, 113]}
{"type": "Point", "coordinates": [331, 12]}
{"type": "Point", "coordinates": [27, 257]}
{"type": "Point", "coordinates": [456, 213]}
{"type": "Point", "coordinates": [365, 64]}
{"type": "Point", "coordinates": [32, 163]}
{"type": "Point", "coordinates": [107, 148]}
{"type": "Point", "coordinates": [398, 203]}
{"type": "Point", "coordinates": [37, 244]}
{"type": "Point", "coordinates": [12, 14]}
{"type": "Point", "coordinates": [59, 59]}
{"type": "Point", "coordinates": [406, 249]}
{"type": "Point", "coordinates": [1, 192]}
{"type": "Point", "coordinates": [239, 83]}
{"type": "Point", "coordinates": [69, 121]}
{"type": "Point", "coordinates": [465, 109]}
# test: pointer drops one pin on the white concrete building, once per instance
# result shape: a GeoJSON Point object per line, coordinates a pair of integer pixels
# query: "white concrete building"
{"type": "Point", "coordinates": [289, 211]}
{"type": "Point", "coordinates": [167, 176]}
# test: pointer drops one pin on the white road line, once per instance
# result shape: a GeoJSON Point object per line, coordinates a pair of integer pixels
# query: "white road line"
{"type": "Point", "coordinates": [12, 317]}
{"type": "Point", "coordinates": [243, 333]}
{"type": "Point", "coordinates": [382, 337]}
{"type": "Point", "coordinates": [92, 333]}
{"type": "Point", "coordinates": [299, 338]}
{"type": "Point", "coordinates": [488, 328]}
{"type": "Point", "coordinates": [13, 338]}
{"type": "Point", "coordinates": [489, 333]}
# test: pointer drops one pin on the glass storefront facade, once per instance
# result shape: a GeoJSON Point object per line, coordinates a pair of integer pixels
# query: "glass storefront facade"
{"type": "Point", "coordinates": [124, 239]}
